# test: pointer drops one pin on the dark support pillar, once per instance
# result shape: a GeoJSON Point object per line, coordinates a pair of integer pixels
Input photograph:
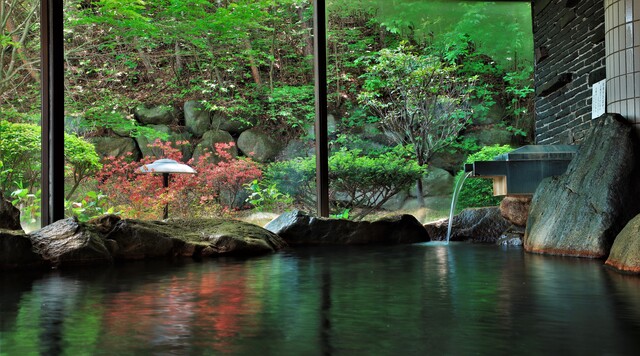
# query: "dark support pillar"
{"type": "Point", "coordinates": [52, 81]}
{"type": "Point", "coordinates": [320, 71]}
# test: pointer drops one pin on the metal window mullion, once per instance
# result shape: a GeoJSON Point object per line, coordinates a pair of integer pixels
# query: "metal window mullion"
{"type": "Point", "coordinates": [320, 73]}
{"type": "Point", "coordinates": [52, 92]}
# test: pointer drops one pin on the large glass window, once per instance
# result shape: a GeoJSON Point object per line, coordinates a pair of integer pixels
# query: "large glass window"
{"type": "Point", "coordinates": [20, 113]}
{"type": "Point", "coordinates": [224, 87]}
{"type": "Point", "coordinates": [415, 87]}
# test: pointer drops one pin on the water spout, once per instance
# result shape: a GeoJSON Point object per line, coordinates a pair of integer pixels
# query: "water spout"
{"type": "Point", "coordinates": [454, 201]}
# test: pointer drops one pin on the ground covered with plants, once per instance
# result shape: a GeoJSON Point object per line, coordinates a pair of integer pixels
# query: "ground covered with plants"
{"type": "Point", "coordinates": [411, 87]}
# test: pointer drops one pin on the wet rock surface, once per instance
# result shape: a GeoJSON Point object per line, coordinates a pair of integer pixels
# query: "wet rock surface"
{"type": "Point", "coordinates": [9, 216]}
{"type": "Point", "coordinates": [70, 243]}
{"type": "Point", "coordinates": [299, 228]}
{"type": "Point", "coordinates": [516, 209]}
{"type": "Point", "coordinates": [625, 252]}
{"type": "Point", "coordinates": [581, 212]}
{"type": "Point", "coordinates": [16, 250]}
{"type": "Point", "coordinates": [67, 242]}
{"type": "Point", "coordinates": [484, 225]}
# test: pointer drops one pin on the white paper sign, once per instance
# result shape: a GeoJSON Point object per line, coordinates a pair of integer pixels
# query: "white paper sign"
{"type": "Point", "coordinates": [598, 99]}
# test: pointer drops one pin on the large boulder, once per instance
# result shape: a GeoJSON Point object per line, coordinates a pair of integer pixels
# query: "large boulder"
{"type": "Point", "coordinates": [173, 137]}
{"type": "Point", "coordinates": [299, 228]}
{"type": "Point", "coordinates": [156, 115]}
{"type": "Point", "coordinates": [516, 209]}
{"type": "Point", "coordinates": [477, 224]}
{"type": "Point", "coordinates": [116, 147]}
{"type": "Point", "coordinates": [625, 252]}
{"type": "Point", "coordinates": [487, 135]}
{"type": "Point", "coordinates": [16, 251]}
{"type": "Point", "coordinates": [234, 126]}
{"type": "Point", "coordinates": [68, 243]}
{"type": "Point", "coordinates": [197, 118]}
{"type": "Point", "coordinates": [208, 144]}
{"type": "Point", "coordinates": [449, 160]}
{"type": "Point", "coordinates": [436, 181]}
{"type": "Point", "coordinates": [9, 215]}
{"type": "Point", "coordinates": [581, 212]}
{"type": "Point", "coordinates": [258, 145]}
{"type": "Point", "coordinates": [202, 237]}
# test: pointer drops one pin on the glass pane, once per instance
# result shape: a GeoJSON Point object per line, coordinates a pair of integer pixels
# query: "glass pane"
{"type": "Point", "coordinates": [20, 146]}
{"type": "Point", "coordinates": [415, 88]}
{"type": "Point", "coordinates": [224, 87]}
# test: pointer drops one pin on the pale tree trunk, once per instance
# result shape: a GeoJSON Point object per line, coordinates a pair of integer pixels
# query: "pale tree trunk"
{"type": "Point", "coordinates": [20, 50]}
{"type": "Point", "coordinates": [16, 22]}
{"type": "Point", "coordinates": [255, 73]}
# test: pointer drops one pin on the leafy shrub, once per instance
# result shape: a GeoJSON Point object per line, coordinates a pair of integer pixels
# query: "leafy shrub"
{"type": "Point", "coordinates": [364, 182]}
{"type": "Point", "coordinates": [266, 197]}
{"type": "Point", "coordinates": [20, 154]}
{"type": "Point", "coordinates": [478, 192]}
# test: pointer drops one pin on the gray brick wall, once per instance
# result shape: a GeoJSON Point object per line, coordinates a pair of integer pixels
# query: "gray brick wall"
{"type": "Point", "coordinates": [570, 57]}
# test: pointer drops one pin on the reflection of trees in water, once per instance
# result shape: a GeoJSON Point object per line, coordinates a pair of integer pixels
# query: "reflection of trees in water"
{"type": "Point", "coordinates": [397, 299]}
{"type": "Point", "coordinates": [209, 309]}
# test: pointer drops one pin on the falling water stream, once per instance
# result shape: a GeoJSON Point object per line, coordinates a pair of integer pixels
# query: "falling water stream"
{"type": "Point", "coordinates": [454, 201]}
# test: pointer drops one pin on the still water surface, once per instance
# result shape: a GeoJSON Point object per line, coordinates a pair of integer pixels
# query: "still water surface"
{"type": "Point", "coordinates": [393, 300]}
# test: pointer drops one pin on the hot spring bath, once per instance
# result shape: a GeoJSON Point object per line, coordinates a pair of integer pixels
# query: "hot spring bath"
{"type": "Point", "coordinates": [386, 300]}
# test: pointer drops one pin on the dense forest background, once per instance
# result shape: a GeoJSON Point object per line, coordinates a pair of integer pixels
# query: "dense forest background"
{"type": "Point", "coordinates": [251, 61]}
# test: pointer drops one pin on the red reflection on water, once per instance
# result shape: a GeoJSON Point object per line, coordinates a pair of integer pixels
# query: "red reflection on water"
{"type": "Point", "coordinates": [206, 309]}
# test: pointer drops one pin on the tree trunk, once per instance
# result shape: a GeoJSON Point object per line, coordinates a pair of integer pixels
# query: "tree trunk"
{"type": "Point", "coordinates": [20, 49]}
{"type": "Point", "coordinates": [306, 33]}
{"type": "Point", "coordinates": [420, 193]}
{"type": "Point", "coordinates": [255, 73]}
{"type": "Point", "coordinates": [146, 62]}
{"type": "Point", "coordinates": [178, 67]}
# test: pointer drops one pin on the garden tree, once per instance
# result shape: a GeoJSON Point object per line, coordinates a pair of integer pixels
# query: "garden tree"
{"type": "Point", "coordinates": [19, 43]}
{"type": "Point", "coordinates": [419, 99]}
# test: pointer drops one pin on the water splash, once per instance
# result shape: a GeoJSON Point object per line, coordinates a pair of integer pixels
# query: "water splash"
{"type": "Point", "coordinates": [454, 201]}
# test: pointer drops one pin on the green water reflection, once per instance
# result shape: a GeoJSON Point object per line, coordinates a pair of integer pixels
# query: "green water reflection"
{"type": "Point", "coordinates": [417, 299]}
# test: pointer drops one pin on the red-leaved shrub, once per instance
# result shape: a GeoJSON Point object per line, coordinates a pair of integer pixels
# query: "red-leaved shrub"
{"type": "Point", "coordinates": [212, 190]}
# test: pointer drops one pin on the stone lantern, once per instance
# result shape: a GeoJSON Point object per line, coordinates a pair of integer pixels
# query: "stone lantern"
{"type": "Point", "coordinates": [166, 167]}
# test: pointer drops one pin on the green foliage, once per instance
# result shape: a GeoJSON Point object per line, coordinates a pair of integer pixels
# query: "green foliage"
{"type": "Point", "coordinates": [419, 97]}
{"type": "Point", "coordinates": [81, 160]}
{"type": "Point", "coordinates": [292, 106]}
{"type": "Point", "coordinates": [92, 205]}
{"type": "Point", "coordinates": [295, 178]}
{"type": "Point", "coordinates": [356, 180]}
{"type": "Point", "coordinates": [27, 202]}
{"type": "Point", "coordinates": [265, 197]}
{"type": "Point", "coordinates": [20, 153]}
{"type": "Point", "coordinates": [478, 192]}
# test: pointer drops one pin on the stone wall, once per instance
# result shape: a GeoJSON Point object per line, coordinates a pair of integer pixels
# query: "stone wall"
{"type": "Point", "coordinates": [570, 57]}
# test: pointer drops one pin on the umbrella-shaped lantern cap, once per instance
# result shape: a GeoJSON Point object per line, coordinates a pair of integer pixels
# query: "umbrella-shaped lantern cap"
{"type": "Point", "coordinates": [166, 165]}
